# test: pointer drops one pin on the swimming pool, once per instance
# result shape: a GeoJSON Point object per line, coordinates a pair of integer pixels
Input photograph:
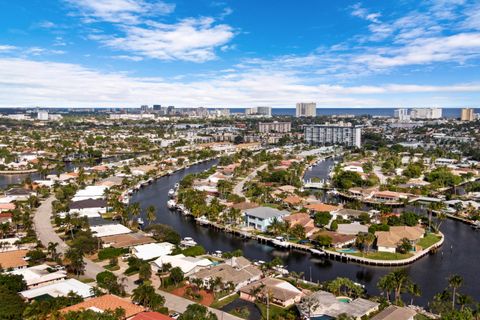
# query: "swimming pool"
{"type": "Point", "coordinates": [348, 250]}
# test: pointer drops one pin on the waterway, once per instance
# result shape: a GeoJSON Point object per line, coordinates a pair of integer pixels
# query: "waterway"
{"type": "Point", "coordinates": [459, 254]}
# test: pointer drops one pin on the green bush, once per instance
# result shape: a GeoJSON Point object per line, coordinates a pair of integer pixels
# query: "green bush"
{"type": "Point", "coordinates": [194, 251]}
{"type": "Point", "coordinates": [108, 253]}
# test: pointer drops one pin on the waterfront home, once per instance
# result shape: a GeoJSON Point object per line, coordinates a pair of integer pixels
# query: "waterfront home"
{"type": "Point", "coordinates": [19, 194]}
{"type": "Point", "coordinates": [188, 265]}
{"type": "Point", "coordinates": [352, 228]}
{"type": "Point", "coordinates": [126, 240]}
{"type": "Point", "coordinates": [109, 230]}
{"type": "Point", "coordinates": [58, 289]}
{"type": "Point", "coordinates": [388, 241]}
{"type": "Point", "coordinates": [389, 196]}
{"type": "Point", "coordinates": [13, 259]}
{"type": "Point", "coordinates": [279, 292]}
{"type": "Point", "coordinates": [90, 192]}
{"type": "Point", "coordinates": [260, 218]}
{"type": "Point", "coordinates": [104, 303]}
{"type": "Point", "coordinates": [40, 275]}
{"type": "Point", "coordinates": [237, 270]}
{"type": "Point", "coordinates": [89, 208]}
{"type": "Point", "coordinates": [322, 207]}
{"type": "Point", "coordinates": [395, 313]}
{"type": "Point", "coordinates": [304, 220]}
{"type": "Point", "coordinates": [293, 201]}
{"type": "Point", "coordinates": [338, 240]}
{"type": "Point", "coordinates": [152, 250]}
{"type": "Point", "coordinates": [322, 304]}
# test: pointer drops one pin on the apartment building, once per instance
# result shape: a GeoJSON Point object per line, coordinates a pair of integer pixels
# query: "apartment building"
{"type": "Point", "coordinates": [267, 127]}
{"type": "Point", "coordinates": [306, 109]}
{"type": "Point", "coordinates": [468, 114]}
{"type": "Point", "coordinates": [426, 113]}
{"type": "Point", "coordinates": [347, 135]}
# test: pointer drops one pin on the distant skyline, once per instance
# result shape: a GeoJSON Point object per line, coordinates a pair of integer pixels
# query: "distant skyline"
{"type": "Point", "coordinates": [240, 53]}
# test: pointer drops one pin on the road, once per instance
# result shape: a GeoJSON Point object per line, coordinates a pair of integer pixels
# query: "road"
{"type": "Point", "coordinates": [46, 234]}
{"type": "Point", "coordinates": [238, 189]}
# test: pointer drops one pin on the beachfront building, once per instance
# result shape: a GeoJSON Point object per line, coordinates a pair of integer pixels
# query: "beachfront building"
{"type": "Point", "coordinates": [468, 114]}
{"type": "Point", "coordinates": [306, 109]}
{"type": "Point", "coordinates": [426, 113]}
{"type": "Point", "coordinates": [326, 134]}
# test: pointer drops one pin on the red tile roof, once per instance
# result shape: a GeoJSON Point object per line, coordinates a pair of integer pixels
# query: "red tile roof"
{"type": "Point", "coordinates": [151, 316]}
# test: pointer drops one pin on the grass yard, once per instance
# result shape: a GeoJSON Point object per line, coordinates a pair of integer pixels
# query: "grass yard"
{"type": "Point", "coordinates": [429, 240]}
{"type": "Point", "coordinates": [218, 304]}
{"type": "Point", "coordinates": [383, 255]}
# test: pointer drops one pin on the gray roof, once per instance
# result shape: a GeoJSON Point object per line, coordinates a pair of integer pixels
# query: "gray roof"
{"type": "Point", "coordinates": [88, 203]}
{"type": "Point", "coordinates": [395, 313]}
{"type": "Point", "coordinates": [266, 212]}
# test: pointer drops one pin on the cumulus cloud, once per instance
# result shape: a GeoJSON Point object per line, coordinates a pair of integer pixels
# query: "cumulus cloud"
{"type": "Point", "coordinates": [27, 83]}
{"type": "Point", "coordinates": [190, 39]}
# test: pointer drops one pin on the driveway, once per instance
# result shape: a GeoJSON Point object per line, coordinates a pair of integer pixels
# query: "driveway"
{"type": "Point", "coordinates": [238, 189]}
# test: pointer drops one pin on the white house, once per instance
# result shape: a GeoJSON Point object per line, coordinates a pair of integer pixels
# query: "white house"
{"type": "Point", "coordinates": [188, 265]}
{"type": "Point", "coordinates": [40, 275]}
{"type": "Point", "coordinates": [59, 289]}
{"type": "Point", "coordinates": [151, 251]}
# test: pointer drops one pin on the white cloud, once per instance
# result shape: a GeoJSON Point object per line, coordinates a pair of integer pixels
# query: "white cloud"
{"type": "Point", "coordinates": [120, 11]}
{"type": "Point", "coordinates": [7, 48]}
{"type": "Point", "coordinates": [28, 83]}
{"type": "Point", "coordinates": [190, 39]}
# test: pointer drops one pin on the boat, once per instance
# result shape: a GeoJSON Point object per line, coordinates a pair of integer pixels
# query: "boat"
{"type": "Point", "coordinates": [188, 242]}
{"type": "Point", "coordinates": [171, 193]}
{"type": "Point", "coordinates": [171, 204]}
{"type": "Point", "coordinates": [317, 252]}
{"type": "Point", "coordinates": [281, 242]}
{"type": "Point", "coordinates": [202, 220]}
{"type": "Point", "coordinates": [217, 253]}
{"type": "Point", "coordinates": [280, 269]}
{"type": "Point", "coordinates": [177, 185]}
{"type": "Point", "coordinates": [140, 221]}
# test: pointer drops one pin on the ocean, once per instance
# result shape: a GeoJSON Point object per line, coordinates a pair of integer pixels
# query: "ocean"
{"type": "Point", "coordinates": [447, 112]}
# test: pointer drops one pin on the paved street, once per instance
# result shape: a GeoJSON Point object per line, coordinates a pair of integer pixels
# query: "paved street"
{"type": "Point", "coordinates": [238, 189]}
{"type": "Point", "coordinates": [46, 234]}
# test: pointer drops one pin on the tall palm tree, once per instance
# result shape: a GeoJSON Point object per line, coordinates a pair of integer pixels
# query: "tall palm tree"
{"type": "Point", "coordinates": [455, 282]}
{"type": "Point", "coordinates": [414, 291]}
{"type": "Point", "coordinates": [151, 214]}
{"type": "Point", "coordinates": [52, 250]}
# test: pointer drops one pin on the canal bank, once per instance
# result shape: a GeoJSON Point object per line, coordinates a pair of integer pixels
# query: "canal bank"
{"type": "Point", "coordinates": [459, 253]}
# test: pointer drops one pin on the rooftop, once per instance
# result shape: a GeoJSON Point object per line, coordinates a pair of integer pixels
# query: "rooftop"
{"type": "Point", "coordinates": [106, 302]}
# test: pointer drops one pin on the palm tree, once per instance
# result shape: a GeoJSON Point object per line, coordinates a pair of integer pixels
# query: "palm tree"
{"type": "Point", "coordinates": [52, 250]}
{"type": "Point", "coordinates": [455, 282]}
{"type": "Point", "coordinates": [151, 214]}
{"type": "Point", "coordinates": [414, 291]}
{"type": "Point", "coordinates": [276, 226]}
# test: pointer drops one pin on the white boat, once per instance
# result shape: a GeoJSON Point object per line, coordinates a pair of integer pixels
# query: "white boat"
{"type": "Point", "coordinates": [140, 221]}
{"type": "Point", "coordinates": [171, 204]}
{"type": "Point", "coordinates": [202, 220]}
{"type": "Point", "coordinates": [317, 252]}
{"type": "Point", "coordinates": [171, 193]}
{"type": "Point", "coordinates": [281, 242]}
{"type": "Point", "coordinates": [188, 242]}
{"type": "Point", "coordinates": [177, 185]}
{"type": "Point", "coordinates": [280, 269]}
{"type": "Point", "coordinates": [217, 253]}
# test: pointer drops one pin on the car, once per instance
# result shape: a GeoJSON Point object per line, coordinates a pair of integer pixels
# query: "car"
{"type": "Point", "coordinates": [126, 256]}
{"type": "Point", "coordinates": [59, 267]}
{"type": "Point", "coordinates": [174, 315]}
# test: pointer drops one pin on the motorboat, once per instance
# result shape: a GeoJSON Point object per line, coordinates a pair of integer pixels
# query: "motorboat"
{"type": "Point", "coordinates": [177, 185]}
{"type": "Point", "coordinates": [281, 242]}
{"type": "Point", "coordinates": [140, 221]}
{"type": "Point", "coordinates": [202, 220]}
{"type": "Point", "coordinates": [281, 269]}
{"type": "Point", "coordinates": [317, 252]}
{"type": "Point", "coordinates": [188, 242]}
{"type": "Point", "coordinates": [171, 193]}
{"type": "Point", "coordinates": [171, 204]}
{"type": "Point", "coordinates": [218, 254]}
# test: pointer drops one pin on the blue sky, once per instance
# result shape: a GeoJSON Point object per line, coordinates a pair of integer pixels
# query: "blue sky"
{"type": "Point", "coordinates": [188, 53]}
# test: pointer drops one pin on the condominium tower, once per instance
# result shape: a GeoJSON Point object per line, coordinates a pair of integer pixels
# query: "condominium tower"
{"type": "Point", "coordinates": [281, 127]}
{"type": "Point", "coordinates": [467, 114]}
{"type": "Point", "coordinates": [320, 134]}
{"type": "Point", "coordinates": [306, 109]}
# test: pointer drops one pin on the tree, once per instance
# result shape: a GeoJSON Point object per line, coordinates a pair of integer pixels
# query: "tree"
{"type": "Point", "coordinates": [176, 274]}
{"type": "Point", "coordinates": [52, 250]}
{"type": "Point", "coordinates": [322, 218]}
{"type": "Point", "coordinates": [364, 241]}
{"type": "Point", "coordinates": [11, 304]}
{"type": "Point", "coordinates": [36, 256]}
{"type": "Point", "coordinates": [405, 246]}
{"type": "Point", "coordinates": [398, 281]}
{"type": "Point", "coordinates": [164, 233]}
{"type": "Point", "coordinates": [146, 296]}
{"type": "Point", "coordinates": [109, 281]}
{"type": "Point", "coordinates": [276, 227]}
{"type": "Point", "coordinates": [151, 214]}
{"type": "Point", "coordinates": [455, 282]}
{"type": "Point", "coordinates": [116, 314]}
{"type": "Point", "coordinates": [323, 240]}
{"type": "Point", "coordinates": [76, 264]}
{"type": "Point", "coordinates": [197, 312]}
{"type": "Point", "coordinates": [297, 231]}
{"type": "Point", "coordinates": [144, 272]}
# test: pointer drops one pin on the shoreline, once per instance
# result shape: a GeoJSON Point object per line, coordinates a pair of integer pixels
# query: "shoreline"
{"type": "Point", "coordinates": [10, 172]}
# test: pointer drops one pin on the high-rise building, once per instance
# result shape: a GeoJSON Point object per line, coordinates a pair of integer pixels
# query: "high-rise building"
{"type": "Point", "coordinates": [426, 113]}
{"type": "Point", "coordinates": [42, 115]}
{"type": "Point", "coordinates": [144, 108]}
{"type": "Point", "coordinates": [267, 127]}
{"type": "Point", "coordinates": [306, 109]}
{"type": "Point", "coordinates": [259, 111]}
{"type": "Point", "coordinates": [402, 115]}
{"type": "Point", "coordinates": [320, 134]}
{"type": "Point", "coordinates": [468, 114]}
{"type": "Point", "coordinates": [157, 107]}
{"type": "Point", "coordinates": [171, 110]}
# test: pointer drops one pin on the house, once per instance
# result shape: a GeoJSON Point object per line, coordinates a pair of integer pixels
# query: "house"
{"type": "Point", "coordinates": [150, 315]}
{"type": "Point", "coordinates": [304, 220]}
{"type": "Point", "coordinates": [280, 292]}
{"type": "Point", "coordinates": [40, 275]}
{"type": "Point", "coordinates": [90, 208]}
{"type": "Point", "coordinates": [389, 196]}
{"type": "Point", "coordinates": [90, 192]}
{"type": "Point", "coordinates": [325, 305]}
{"type": "Point", "coordinates": [14, 259]}
{"type": "Point", "coordinates": [5, 217]}
{"type": "Point", "coordinates": [109, 230]}
{"type": "Point", "coordinates": [237, 270]}
{"type": "Point", "coordinates": [5, 207]}
{"type": "Point", "coordinates": [19, 194]}
{"type": "Point", "coordinates": [260, 218]}
{"type": "Point", "coordinates": [188, 265]}
{"type": "Point", "coordinates": [348, 214]}
{"type": "Point", "coordinates": [388, 241]}
{"type": "Point", "coordinates": [322, 207]}
{"type": "Point", "coordinates": [151, 251]}
{"type": "Point", "coordinates": [106, 302]}
{"type": "Point", "coordinates": [395, 313]}
{"type": "Point", "coordinates": [352, 228]}
{"type": "Point", "coordinates": [338, 240]}
{"type": "Point", "coordinates": [58, 289]}
{"type": "Point", "coordinates": [126, 240]}
{"type": "Point", "coordinates": [293, 201]}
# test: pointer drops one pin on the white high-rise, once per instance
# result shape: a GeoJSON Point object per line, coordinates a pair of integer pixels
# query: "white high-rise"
{"type": "Point", "coordinates": [306, 109]}
{"type": "Point", "coordinates": [42, 115]}
{"type": "Point", "coordinates": [402, 115]}
{"type": "Point", "coordinates": [319, 134]}
{"type": "Point", "coordinates": [426, 113]}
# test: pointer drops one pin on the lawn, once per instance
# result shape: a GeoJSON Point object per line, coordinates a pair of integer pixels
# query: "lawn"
{"type": "Point", "coordinates": [275, 312]}
{"type": "Point", "coordinates": [429, 240]}
{"type": "Point", "coordinates": [383, 255]}
{"type": "Point", "coordinates": [218, 304]}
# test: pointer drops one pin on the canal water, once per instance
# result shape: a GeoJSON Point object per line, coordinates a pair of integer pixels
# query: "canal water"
{"type": "Point", "coordinates": [459, 255]}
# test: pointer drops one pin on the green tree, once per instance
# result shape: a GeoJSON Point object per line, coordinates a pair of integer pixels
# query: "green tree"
{"type": "Point", "coordinates": [146, 296]}
{"type": "Point", "coordinates": [322, 218]}
{"type": "Point", "coordinates": [109, 281]}
{"type": "Point", "coordinates": [197, 312]}
{"type": "Point", "coordinates": [151, 214]}
{"type": "Point", "coordinates": [176, 274]}
{"type": "Point", "coordinates": [455, 282]}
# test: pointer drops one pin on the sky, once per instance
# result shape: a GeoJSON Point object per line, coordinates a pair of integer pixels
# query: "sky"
{"type": "Point", "coordinates": [240, 53]}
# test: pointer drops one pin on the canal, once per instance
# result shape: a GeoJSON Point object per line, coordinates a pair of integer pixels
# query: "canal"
{"type": "Point", "coordinates": [459, 254]}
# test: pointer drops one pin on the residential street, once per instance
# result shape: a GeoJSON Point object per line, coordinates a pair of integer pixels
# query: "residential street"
{"type": "Point", "coordinates": [238, 189]}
